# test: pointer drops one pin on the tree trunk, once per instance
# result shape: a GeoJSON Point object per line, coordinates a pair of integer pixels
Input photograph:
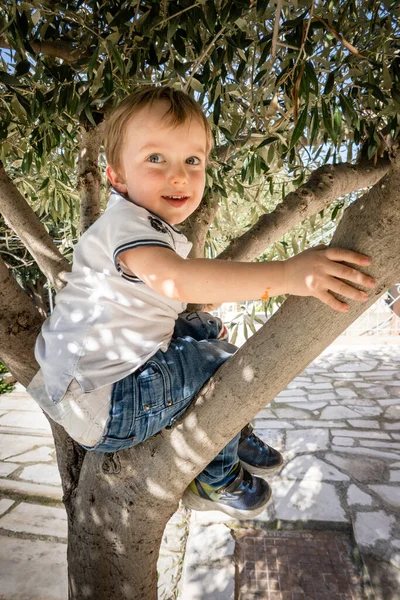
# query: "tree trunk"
{"type": "Point", "coordinates": [123, 500]}
{"type": "Point", "coordinates": [89, 177]}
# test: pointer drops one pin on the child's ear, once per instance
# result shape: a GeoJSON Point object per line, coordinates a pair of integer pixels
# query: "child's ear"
{"type": "Point", "coordinates": [116, 180]}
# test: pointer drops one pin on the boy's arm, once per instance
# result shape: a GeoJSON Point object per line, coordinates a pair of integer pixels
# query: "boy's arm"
{"type": "Point", "coordinates": [204, 281]}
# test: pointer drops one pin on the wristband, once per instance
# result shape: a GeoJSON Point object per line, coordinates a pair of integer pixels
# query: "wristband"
{"type": "Point", "coordinates": [265, 295]}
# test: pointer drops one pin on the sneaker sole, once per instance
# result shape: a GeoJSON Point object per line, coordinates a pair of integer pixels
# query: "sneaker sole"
{"type": "Point", "coordinates": [195, 502]}
{"type": "Point", "coordinates": [261, 470]}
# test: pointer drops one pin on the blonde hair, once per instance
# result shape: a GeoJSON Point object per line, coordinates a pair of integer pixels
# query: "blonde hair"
{"type": "Point", "coordinates": [181, 108]}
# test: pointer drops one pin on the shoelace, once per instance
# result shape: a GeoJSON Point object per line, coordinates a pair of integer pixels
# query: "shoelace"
{"type": "Point", "coordinates": [257, 442]}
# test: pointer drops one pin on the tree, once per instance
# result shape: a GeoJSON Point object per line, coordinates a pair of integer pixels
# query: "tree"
{"type": "Point", "coordinates": [290, 90]}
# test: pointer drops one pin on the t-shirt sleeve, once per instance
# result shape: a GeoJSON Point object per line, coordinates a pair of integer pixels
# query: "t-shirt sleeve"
{"type": "Point", "coordinates": [133, 229]}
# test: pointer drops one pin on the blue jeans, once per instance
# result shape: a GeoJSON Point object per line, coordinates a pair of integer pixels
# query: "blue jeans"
{"type": "Point", "coordinates": [155, 396]}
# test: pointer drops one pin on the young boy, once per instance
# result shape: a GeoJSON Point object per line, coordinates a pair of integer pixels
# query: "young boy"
{"type": "Point", "coordinates": [118, 363]}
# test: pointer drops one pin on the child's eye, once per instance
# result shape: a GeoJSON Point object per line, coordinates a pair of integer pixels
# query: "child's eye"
{"type": "Point", "coordinates": [193, 160]}
{"type": "Point", "coordinates": [155, 158]}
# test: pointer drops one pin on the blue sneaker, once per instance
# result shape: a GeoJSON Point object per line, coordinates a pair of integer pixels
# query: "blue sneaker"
{"type": "Point", "coordinates": [255, 455]}
{"type": "Point", "coordinates": [243, 498]}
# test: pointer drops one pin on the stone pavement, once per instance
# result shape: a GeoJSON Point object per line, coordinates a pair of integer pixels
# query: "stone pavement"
{"type": "Point", "coordinates": [339, 429]}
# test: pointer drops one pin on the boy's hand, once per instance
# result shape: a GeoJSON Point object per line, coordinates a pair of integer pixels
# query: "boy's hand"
{"type": "Point", "coordinates": [318, 271]}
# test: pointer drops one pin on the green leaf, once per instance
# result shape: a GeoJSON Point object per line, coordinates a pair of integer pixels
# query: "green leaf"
{"type": "Point", "coordinates": [22, 67]}
{"type": "Point", "coordinates": [300, 126]}
{"type": "Point", "coordinates": [196, 85]}
{"type": "Point", "coordinates": [267, 141]}
{"type": "Point", "coordinates": [92, 62]}
{"type": "Point", "coordinates": [327, 118]}
{"type": "Point", "coordinates": [329, 83]}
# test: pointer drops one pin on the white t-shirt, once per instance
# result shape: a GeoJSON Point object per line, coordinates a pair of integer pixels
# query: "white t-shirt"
{"type": "Point", "coordinates": [106, 322]}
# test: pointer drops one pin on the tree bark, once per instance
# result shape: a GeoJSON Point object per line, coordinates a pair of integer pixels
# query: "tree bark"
{"type": "Point", "coordinates": [89, 177]}
{"type": "Point", "coordinates": [197, 225]}
{"type": "Point", "coordinates": [124, 500]}
{"type": "Point", "coordinates": [67, 51]}
{"type": "Point", "coordinates": [323, 187]}
{"type": "Point", "coordinates": [19, 326]}
{"type": "Point", "coordinates": [23, 221]}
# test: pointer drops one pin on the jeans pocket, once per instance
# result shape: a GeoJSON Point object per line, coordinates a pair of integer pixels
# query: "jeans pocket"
{"type": "Point", "coordinates": [153, 387]}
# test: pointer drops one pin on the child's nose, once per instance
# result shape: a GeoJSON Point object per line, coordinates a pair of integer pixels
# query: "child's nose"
{"type": "Point", "coordinates": [178, 175]}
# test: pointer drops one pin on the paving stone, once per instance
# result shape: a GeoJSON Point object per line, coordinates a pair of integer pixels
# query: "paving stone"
{"type": "Point", "coordinates": [396, 436]}
{"type": "Point", "coordinates": [209, 543]}
{"type": "Point", "coordinates": [289, 394]}
{"type": "Point", "coordinates": [47, 474]}
{"type": "Point", "coordinates": [286, 399]}
{"type": "Point", "coordinates": [5, 504]}
{"type": "Point", "coordinates": [356, 367]}
{"type": "Point", "coordinates": [338, 412]}
{"type": "Point", "coordinates": [292, 413]}
{"type": "Point", "coordinates": [33, 569]}
{"type": "Point", "coordinates": [307, 440]}
{"type": "Point", "coordinates": [345, 392]}
{"type": "Point", "coordinates": [322, 386]}
{"type": "Point", "coordinates": [309, 468]}
{"type": "Point", "coordinates": [355, 402]}
{"type": "Point", "coordinates": [372, 435]}
{"type": "Point", "coordinates": [368, 411]}
{"type": "Point", "coordinates": [41, 454]}
{"type": "Point", "coordinates": [275, 424]}
{"type": "Point", "coordinates": [393, 412]}
{"type": "Point", "coordinates": [7, 469]}
{"type": "Point", "coordinates": [357, 496]}
{"type": "Point", "coordinates": [33, 421]}
{"type": "Point", "coordinates": [389, 493]}
{"type": "Point", "coordinates": [379, 375]}
{"type": "Point", "coordinates": [266, 413]}
{"type": "Point", "coordinates": [389, 445]}
{"type": "Point", "coordinates": [368, 452]}
{"type": "Point", "coordinates": [200, 583]}
{"type": "Point", "coordinates": [343, 441]}
{"type": "Point", "coordinates": [367, 470]}
{"type": "Point", "coordinates": [314, 406]}
{"type": "Point", "coordinates": [388, 401]}
{"type": "Point", "coordinates": [327, 396]}
{"type": "Point", "coordinates": [369, 527]}
{"type": "Point", "coordinates": [307, 500]}
{"type": "Point", "coordinates": [391, 426]}
{"type": "Point", "coordinates": [394, 476]}
{"type": "Point", "coordinates": [273, 437]}
{"type": "Point", "coordinates": [36, 519]}
{"type": "Point", "coordinates": [364, 424]}
{"type": "Point", "coordinates": [10, 445]}
{"type": "Point", "coordinates": [376, 391]}
{"type": "Point", "coordinates": [320, 423]}
{"type": "Point", "coordinates": [12, 402]}
{"type": "Point", "coordinates": [35, 490]}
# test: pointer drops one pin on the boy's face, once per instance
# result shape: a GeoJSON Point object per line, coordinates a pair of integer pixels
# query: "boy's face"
{"type": "Point", "coordinates": [163, 166]}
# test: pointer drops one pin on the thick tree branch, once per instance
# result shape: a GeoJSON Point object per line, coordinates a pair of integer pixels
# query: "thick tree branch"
{"type": "Point", "coordinates": [325, 185]}
{"type": "Point", "coordinates": [21, 218]}
{"type": "Point", "coordinates": [197, 225]}
{"type": "Point", "coordinates": [19, 326]}
{"type": "Point", "coordinates": [89, 177]}
{"type": "Point", "coordinates": [59, 49]}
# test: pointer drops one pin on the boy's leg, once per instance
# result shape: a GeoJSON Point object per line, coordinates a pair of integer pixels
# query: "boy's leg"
{"type": "Point", "coordinates": [254, 454]}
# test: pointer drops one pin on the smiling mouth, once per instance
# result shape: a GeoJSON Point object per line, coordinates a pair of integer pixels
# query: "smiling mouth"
{"type": "Point", "coordinates": [176, 200]}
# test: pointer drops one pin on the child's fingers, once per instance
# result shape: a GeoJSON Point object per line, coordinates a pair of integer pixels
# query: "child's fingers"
{"type": "Point", "coordinates": [333, 302]}
{"type": "Point", "coordinates": [340, 254]}
{"type": "Point", "coordinates": [346, 290]}
{"type": "Point", "coordinates": [344, 272]}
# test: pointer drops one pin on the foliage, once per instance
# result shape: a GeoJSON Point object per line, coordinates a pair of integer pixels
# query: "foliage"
{"type": "Point", "coordinates": [325, 89]}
